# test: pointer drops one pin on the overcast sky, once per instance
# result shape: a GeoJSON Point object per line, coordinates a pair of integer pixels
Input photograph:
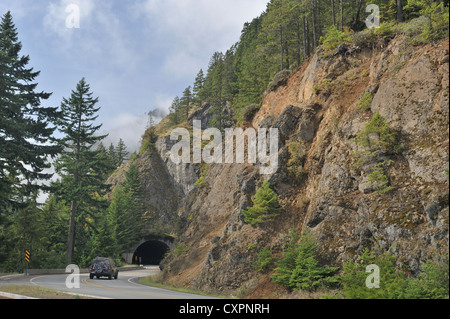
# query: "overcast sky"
{"type": "Point", "coordinates": [136, 55]}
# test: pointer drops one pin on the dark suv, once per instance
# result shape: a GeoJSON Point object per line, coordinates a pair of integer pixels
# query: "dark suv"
{"type": "Point", "coordinates": [103, 267]}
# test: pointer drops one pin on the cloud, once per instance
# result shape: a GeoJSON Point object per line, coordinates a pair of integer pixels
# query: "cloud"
{"type": "Point", "coordinates": [196, 28]}
{"type": "Point", "coordinates": [59, 12]}
{"type": "Point", "coordinates": [103, 37]}
{"type": "Point", "coordinates": [127, 127]}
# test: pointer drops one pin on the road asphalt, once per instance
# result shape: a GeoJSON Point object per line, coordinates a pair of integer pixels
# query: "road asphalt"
{"type": "Point", "coordinates": [125, 287]}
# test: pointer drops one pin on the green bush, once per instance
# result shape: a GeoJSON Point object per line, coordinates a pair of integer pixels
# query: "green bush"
{"type": "Point", "coordinates": [265, 206]}
{"type": "Point", "coordinates": [379, 179]}
{"type": "Point", "coordinates": [201, 182]}
{"type": "Point", "coordinates": [437, 16]}
{"type": "Point", "coordinates": [365, 38]}
{"type": "Point", "coordinates": [377, 139]}
{"type": "Point", "coordinates": [354, 277]}
{"type": "Point", "coordinates": [365, 103]}
{"type": "Point", "coordinates": [386, 29]}
{"type": "Point", "coordinates": [299, 268]}
{"type": "Point", "coordinates": [264, 261]}
{"type": "Point", "coordinates": [296, 159]}
{"type": "Point", "coordinates": [432, 282]}
{"type": "Point", "coordinates": [333, 37]}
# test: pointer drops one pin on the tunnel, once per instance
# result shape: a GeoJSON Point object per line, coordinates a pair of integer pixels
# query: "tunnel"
{"type": "Point", "coordinates": [151, 252]}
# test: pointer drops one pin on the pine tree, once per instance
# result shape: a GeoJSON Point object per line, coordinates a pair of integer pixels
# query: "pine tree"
{"type": "Point", "coordinates": [80, 167]}
{"type": "Point", "coordinates": [299, 268]}
{"type": "Point", "coordinates": [121, 153]}
{"type": "Point", "coordinates": [265, 206]}
{"type": "Point", "coordinates": [198, 86]}
{"type": "Point", "coordinates": [25, 126]}
{"type": "Point", "coordinates": [126, 210]}
{"type": "Point", "coordinates": [307, 274]}
{"type": "Point", "coordinates": [175, 111]}
{"type": "Point", "coordinates": [186, 102]}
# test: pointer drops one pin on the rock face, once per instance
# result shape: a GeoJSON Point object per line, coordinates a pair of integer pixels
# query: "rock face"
{"type": "Point", "coordinates": [317, 109]}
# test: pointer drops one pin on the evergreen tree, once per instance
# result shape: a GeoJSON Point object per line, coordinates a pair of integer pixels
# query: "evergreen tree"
{"type": "Point", "coordinates": [112, 155]}
{"type": "Point", "coordinates": [285, 266]}
{"type": "Point", "coordinates": [265, 206]}
{"type": "Point", "coordinates": [80, 167]}
{"type": "Point", "coordinates": [175, 111]}
{"type": "Point", "coordinates": [25, 126]}
{"type": "Point", "coordinates": [126, 210]}
{"type": "Point", "coordinates": [198, 87]}
{"type": "Point", "coordinates": [121, 152]}
{"type": "Point", "coordinates": [299, 268]}
{"type": "Point", "coordinates": [307, 274]}
{"type": "Point", "coordinates": [186, 102]}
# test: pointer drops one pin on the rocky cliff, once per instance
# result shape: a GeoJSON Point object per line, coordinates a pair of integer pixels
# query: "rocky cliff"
{"type": "Point", "coordinates": [319, 109]}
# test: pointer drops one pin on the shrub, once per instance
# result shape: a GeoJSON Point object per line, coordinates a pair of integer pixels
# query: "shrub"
{"type": "Point", "coordinates": [354, 277]}
{"type": "Point", "coordinates": [180, 249]}
{"type": "Point", "coordinates": [377, 138]}
{"type": "Point", "coordinates": [365, 38]}
{"type": "Point", "coordinates": [431, 283]}
{"type": "Point", "coordinates": [201, 182]}
{"type": "Point", "coordinates": [265, 206]}
{"type": "Point", "coordinates": [437, 16]}
{"type": "Point", "coordinates": [365, 103]}
{"type": "Point", "coordinates": [296, 160]}
{"type": "Point", "coordinates": [386, 29]}
{"type": "Point", "coordinates": [264, 261]}
{"type": "Point", "coordinates": [379, 180]}
{"type": "Point", "coordinates": [300, 270]}
{"type": "Point", "coordinates": [333, 37]}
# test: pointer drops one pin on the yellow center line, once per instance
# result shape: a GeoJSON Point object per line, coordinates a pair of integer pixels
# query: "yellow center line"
{"type": "Point", "coordinates": [126, 291]}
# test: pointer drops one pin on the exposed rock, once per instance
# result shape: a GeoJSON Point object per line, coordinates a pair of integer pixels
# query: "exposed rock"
{"type": "Point", "coordinates": [334, 198]}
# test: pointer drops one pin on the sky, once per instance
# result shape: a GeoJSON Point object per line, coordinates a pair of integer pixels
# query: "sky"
{"type": "Point", "coordinates": [137, 55]}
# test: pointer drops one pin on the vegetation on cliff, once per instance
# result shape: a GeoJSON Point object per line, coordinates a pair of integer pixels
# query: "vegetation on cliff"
{"type": "Point", "coordinates": [355, 170]}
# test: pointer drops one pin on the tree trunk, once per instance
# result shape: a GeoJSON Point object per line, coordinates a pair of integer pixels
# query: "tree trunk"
{"type": "Point", "coordinates": [305, 37]}
{"type": "Point", "coordinates": [342, 15]}
{"type": "Point", "coordinates": [358, 13]}
{"type": "Point", "coordinates": [299, 44]}
{"type": "Point", "coordinates": [399, 11]}
{"type": "Point", "coordinates": [333, 14]}
{"type": "Point", "coordinates": [314, 25]}
{"type": "Point", "coordinates": [288, 63]}
{"type": "Point", "coordinates": [281, 47]}
{"type": "Point", "coordinates": [71, 235]}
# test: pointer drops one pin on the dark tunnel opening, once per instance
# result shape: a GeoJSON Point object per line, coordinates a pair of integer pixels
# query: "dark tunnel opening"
{"type": "Point", "coordinates": [151, 252]}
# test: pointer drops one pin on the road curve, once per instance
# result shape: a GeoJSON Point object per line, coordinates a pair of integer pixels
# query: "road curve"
{"type": "Point", "coordinates": [125, 287]}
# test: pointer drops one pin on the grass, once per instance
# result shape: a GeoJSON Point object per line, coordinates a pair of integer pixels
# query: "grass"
{"type": "Point", "coordinates": [39, 292]}
{"type": "Point", "coordinates": [152, 281]}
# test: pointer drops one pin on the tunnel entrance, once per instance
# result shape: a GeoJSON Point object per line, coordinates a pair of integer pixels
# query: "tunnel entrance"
{"type": "Point", "coordinates": [151, 252]}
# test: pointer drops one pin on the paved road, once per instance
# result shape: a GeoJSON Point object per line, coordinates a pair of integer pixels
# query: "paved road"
{"type": "Point", "coordinates": [125, 287]}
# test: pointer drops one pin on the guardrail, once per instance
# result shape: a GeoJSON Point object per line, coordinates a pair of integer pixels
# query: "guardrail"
{"type": "Point", "coordinates": [36, 272]}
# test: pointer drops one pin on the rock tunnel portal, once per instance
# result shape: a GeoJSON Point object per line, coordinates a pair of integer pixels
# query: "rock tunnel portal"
{"type": "Point", "coordinates": [151, 252]}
